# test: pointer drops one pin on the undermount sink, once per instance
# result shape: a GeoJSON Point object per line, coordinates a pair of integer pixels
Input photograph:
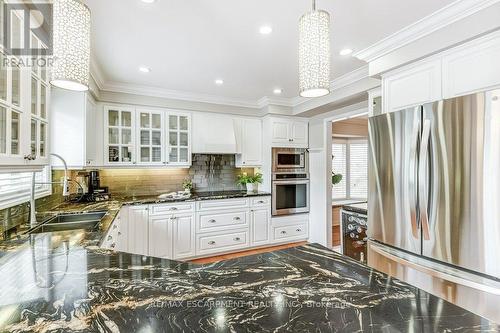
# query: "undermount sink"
{"type": "Point", "coordinates": [87, 221]}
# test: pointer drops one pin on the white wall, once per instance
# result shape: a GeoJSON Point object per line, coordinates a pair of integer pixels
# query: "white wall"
{"type": "Point", "coordinates": [320, 161]}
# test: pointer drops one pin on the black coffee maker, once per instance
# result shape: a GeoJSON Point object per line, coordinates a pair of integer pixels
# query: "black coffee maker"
{"type": "Point", "coordinates": [95, 191]}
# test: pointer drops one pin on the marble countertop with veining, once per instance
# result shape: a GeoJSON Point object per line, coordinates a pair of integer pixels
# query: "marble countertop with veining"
{"type": "Point", "coordinates": [63, 281]}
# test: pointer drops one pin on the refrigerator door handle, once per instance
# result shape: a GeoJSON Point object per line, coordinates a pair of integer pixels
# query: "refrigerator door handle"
{"type": "Point", "coordinates": [413, 180]}
{"type": "Point", "coordinates": [423, 189]}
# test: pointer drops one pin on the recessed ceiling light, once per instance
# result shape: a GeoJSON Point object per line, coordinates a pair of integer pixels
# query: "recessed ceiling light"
{"type": "Point", "coordinates": [219, 82]}
{"type": "Point", "coordinates": [345, 52]}
{"type": "Point", "coordinates": [144, 69]}
{"type": "Point", "coordinates": [265, 29]}
{"type": "Point", "coordinates": [148, 1]}
{"type": "Point", "coordinates": [277, 91]}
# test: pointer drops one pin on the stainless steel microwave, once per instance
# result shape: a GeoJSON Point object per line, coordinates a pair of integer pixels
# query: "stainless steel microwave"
{"type": "Point", "coordinates": [290, 160]}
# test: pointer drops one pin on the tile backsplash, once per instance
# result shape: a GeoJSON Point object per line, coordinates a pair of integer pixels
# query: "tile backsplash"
{"type": "Point", "coordinates": [208, 172]}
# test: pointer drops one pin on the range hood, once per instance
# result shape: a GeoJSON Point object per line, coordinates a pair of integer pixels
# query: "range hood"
{"type": "Point", "coordinates": [213, 134]}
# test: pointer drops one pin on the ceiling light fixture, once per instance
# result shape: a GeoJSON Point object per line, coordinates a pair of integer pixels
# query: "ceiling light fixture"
{"type": "Point", "coordinates": [219, 82]}
{"type": "Point", "coordinates": [265, 30]}
{"type": "Point", "coordinates": [144, 69]}
{"type": "Point", "coordinates": [345, 52]}
{"type": "Point", "coordinates": [277, 91]}
{"type": "Point", "coordinates": [71, 46]}
{"type": "Point", "coordinates": [314, 53]}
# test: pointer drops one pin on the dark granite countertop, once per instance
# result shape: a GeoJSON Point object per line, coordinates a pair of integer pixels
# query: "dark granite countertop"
{"type": "Point", "coordinates": [63, 281]}
{"type": "Point", "coordinates": [113, 205]}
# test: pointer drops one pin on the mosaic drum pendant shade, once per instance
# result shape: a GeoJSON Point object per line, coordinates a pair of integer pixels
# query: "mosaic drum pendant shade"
{"type": "Point", "coordinates": [314, 53]}
{"type": "Point", "coordinates": [71, 45]}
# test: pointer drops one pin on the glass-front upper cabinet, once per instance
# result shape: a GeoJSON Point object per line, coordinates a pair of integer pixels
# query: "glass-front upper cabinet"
{"type": "Point", "coordinates": [179, 139]}
{"type": "Point", "coordinates": [119, 135]}
{"type": "Point", "coordinates": [150, 137]}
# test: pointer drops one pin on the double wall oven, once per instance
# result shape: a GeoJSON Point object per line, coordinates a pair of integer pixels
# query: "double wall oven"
{"type": "Point", "coordinates": [290, 183]}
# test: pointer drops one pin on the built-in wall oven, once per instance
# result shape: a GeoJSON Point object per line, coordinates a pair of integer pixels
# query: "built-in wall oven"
{"type": "Point", "coordinates": [290, 182]}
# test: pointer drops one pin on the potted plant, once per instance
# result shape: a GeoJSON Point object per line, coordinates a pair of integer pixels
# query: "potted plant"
{"type": "Point", "coordinates": [257, 179]}
{"type": "Point", "coordinates": [245, 180]}
{"type": "Point", "coordinates": [187, 185]}
{"type": "Point", "coordinates": [336, 178]}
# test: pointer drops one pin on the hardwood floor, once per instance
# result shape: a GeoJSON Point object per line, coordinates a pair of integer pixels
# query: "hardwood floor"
{"type": "Point", "coordinates": [210, 260]}
{"type": "Point", "coordinates": [336, 235]}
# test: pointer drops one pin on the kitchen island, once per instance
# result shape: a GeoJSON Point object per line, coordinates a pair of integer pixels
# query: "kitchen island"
{"type": "Point", "coordinates": [63, 281]}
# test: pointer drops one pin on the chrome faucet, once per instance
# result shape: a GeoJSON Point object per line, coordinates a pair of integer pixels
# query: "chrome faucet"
{"type": "Point", "coordinates": [64, 183]}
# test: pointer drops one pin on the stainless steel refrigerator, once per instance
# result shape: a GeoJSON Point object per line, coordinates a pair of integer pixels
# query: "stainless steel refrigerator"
{"type": "Point", "coordinates": [434, 181]}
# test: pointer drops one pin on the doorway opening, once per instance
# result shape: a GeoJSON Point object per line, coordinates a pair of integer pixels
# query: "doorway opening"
{"type": "Point", "coordinates": [349, 183]}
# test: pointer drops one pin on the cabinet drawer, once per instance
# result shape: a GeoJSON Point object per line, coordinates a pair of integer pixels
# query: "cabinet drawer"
{"type": "Point", "coordinates": [222, 242]}
{"type": "Point", "coordinates": [181, 207]}
{"type": "Point", "coordinates": [218, 221]}
{"type": "Point", "coordinates": [223, 204]}
{"type": "Point", "coordinates": [291, 231]}
{"type": "Point", "coordinates": [260, 201]}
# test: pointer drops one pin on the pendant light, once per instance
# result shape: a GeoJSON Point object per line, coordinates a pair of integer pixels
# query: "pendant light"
{"type": "Point", "coordinates": [71, 45]}
{"type": "Point", "coordinates": [314, 53]}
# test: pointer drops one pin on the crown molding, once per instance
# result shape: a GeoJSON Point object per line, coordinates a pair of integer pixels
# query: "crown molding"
{"type": "Point", "coordinates": [119, 87]}
{"type": "Point", "coordinates": [281, 101]}
{"type": "Point", "coordinates": [96, 73]}
{"type": "Point", "coordinates": [447, 15]}
{"type": "Point", "coordinates": [339, 83]}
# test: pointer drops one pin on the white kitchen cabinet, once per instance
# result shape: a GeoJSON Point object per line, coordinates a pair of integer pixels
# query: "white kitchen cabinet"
{"type": "Point", "coordinates": [24, 112]}
{"type": "Point", "coordinates": [160, 237]}
{"type": "Point", "coordinates": [411, 86]}
{"type": "Point", "coordinates": [178, 145]}
{"type": "Point", "coordinates": [150, 137]}
{"type": "Point", "coordinates": [212, 243]}
{"type": "Point", "coordinates": [138, 229]}
{"type": "Point", "coordinates": [248, 142]}
{"type": "Point", "coordinates": [288, 132]}
{"type": "Point", "coordinates": [119, 135]}
{"type": "Point", "coordinates": [286, 229]}
{"type": "Point", "coordinates": [73, 129]}
{"type": "Point", "coordinates": [184, 236]}
{"type": "Point", "coordinates": [261, 225]}
{"type": "Point", "coordinates": [472, 68]}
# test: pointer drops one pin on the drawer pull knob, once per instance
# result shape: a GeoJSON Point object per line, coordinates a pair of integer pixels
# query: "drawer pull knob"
{"type": "Point", "coordinates": [237, 239]}
{"type": "Point", "coordinates": [212, 221]}
{"type": "Point", "coordinates": [119, 233]}
{"type": "Point", "coordinates": [261, 202]}
{"type": "Point", "coordinates": [283, 232]}
{"type": "Point", "coordinates": [173, 208]}
{"type": "Point", "coordinates": [237, 218]}
{"type": "Point", "coordinates": [299, 230]}
{"type": "Point", "coordinates": [211, 243]}
{"type": "Point", "coordinates": [113, 245]}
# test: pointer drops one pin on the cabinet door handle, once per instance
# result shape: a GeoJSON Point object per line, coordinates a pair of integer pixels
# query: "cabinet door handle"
{"type": "Point", "coordinates": [299, 230]}
{"type": "Point", "coordinates": [283, 232]}
{"type": "Point", "coordinates": [237, 218]}
{"type": "Point", "coordinates": [211, 243]}
{"type": "Point", "coordinates": [113, 245]}
{"type": "Point", "coordinates": [237, 239]}
{"type": "Point", "coordinates": [261, 202]}
{"type": "Point", "coordinates": [174, 208]}
{"type": "Point", "coordinates": [212, 221]}
{"type": "Point", "coordinates": [119, 233]}
{"type": "Point", "coordinates": [110, 238]}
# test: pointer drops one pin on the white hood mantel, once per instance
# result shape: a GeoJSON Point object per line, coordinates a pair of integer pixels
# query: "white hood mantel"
{"type": "Point", "coordinates": [213, 134]}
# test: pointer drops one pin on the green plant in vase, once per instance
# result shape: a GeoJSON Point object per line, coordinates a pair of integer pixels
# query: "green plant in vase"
{"type": "Point", "coordinates": [336, 178]}
{"type": "Point", "coordinates": [187, 185]}
{"type": "Point", "coordinates": [256, 180]}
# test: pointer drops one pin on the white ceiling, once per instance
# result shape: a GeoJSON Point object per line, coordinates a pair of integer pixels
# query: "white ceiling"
{"type": "Point", "coordinates": [190, 43]}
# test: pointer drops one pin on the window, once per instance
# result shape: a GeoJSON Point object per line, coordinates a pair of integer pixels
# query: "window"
{"type": "Point", "coordinates": [350, 159]}
{"type": "Point", "coordinates": [15, 187]}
